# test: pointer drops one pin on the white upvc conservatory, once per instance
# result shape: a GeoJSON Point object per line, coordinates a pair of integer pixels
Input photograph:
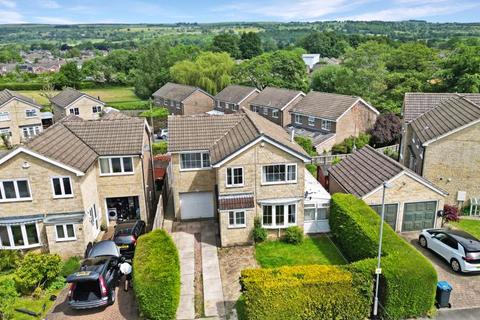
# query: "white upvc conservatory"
{"type": "Point", "coordinates": [316, 206]}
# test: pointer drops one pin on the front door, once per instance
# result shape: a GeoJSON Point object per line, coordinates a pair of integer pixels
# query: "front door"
{"type": "Point", "coordinates": [419, 215]}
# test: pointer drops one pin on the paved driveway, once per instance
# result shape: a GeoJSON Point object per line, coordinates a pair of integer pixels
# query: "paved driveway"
{"type": "Point", "coordinates": [466, 287]}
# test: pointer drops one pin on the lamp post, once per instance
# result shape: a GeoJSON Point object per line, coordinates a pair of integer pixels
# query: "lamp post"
{"type": "Point", "coordinates": [378, 271]}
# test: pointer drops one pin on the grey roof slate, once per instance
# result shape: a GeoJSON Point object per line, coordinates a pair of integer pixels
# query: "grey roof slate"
{"type": "Point", "coordinates": [274, 97]}
{"type": "Point", "coordinates": [323, 105]}
{"type": "Point", "coordinates": [234, 93]}
{"type": "Point", "coordinates": [67, 96]}
{"type": "Point", "coordinates": [175, 91]}
{"type": "Point", "coordinates": [449, 115]}
{"type": "Point", "coordinates": [6, 95]}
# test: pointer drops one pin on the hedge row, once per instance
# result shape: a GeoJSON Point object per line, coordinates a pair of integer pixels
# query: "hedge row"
{"type": "Point", "coordinates": [408, 289]}
{"type": "Point", "coordinates": [31, 85]}
{"type": "Point", "coordinates": [304, 292]}
{"type": "Point", "coordinates": [156, 276]}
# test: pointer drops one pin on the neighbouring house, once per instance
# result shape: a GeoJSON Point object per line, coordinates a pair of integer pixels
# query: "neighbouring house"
{"type": "Point", "coordinates": [441, 141]}
{"type": "Point", "coordinates": [411, 201]}
{"type": "Point", "coordinates": [329, 118]}
{"type": "Point", "coordinates": [58, 190]}
{"type": "Point", "coordinates": [275, 104]}
{"type": "Point", "coordinates": [310, 60]}
{"type": "Point", "coordinates": [71, 101]}
{"type": "Point", "coordinates": [181, 99]}
{"type": "Point", "coordinates": [238, 167]}
{"type": "Point", "coordinates": [20, 117]}
{"type": "Point", "coordinates": [234, 97]}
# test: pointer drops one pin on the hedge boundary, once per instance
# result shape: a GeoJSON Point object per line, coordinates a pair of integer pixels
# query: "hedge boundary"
{"type": "Point", "coordinates": [156, 275]}
{"type": "Point", "coordinates": [409, 279]}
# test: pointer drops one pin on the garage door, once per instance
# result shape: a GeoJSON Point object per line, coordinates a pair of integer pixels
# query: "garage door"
{"type": "Point", "coordinates": [390, 213]}
{"type": "Point", "coordinates": [195, 205]}
{"type": "Point", "coordinates": [419, 215]}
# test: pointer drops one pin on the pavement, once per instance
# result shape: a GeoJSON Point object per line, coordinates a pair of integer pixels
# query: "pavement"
{"type": "Point", "coordinates": [458, 314]}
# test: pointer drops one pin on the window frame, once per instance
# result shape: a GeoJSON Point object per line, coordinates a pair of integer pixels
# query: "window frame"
{"type": "Point", "coordinates": [233, 184]}
{"type": "Point", "coordinates": [316, 207]}
{"type": "Point", "coordinates": [255, 109]}
{"type": "Point", "coordinates": [297, 118]}
{"type": "Point", "coordinates": [265, 111]}
{"type": "Point", "coordinates": [111, 173]}
{"type": "Point", "coordinates": [36, 130]}
{"type": "Point", "coordinates": [74, 110]}
{"type": "Point", "coordinates": [285, 224]}
{"type": "Point", "coordinates": [202, 160]}
{"type": "Point", "coordinates": [96, 109]}
{"type": "Point", "coordinates": [66, 238]}
{"type": "Point", "coordinates": [236, 225]}
{"type": "Point", "coordinates": [5, 114]}
{"type": "Point", "coordinates": [286, 181]}
{"type": "Point", "coordinates": [35, 114]}
{"type": "Point", "coordinates": [326, 125]}
{"type": "Point", "coordinates": [275, 113]}
{"type": "Point", "coordinates": [4, 199]}
{"type": "Point", "coordinates": [62, 187]}
{"type": "Point", "coordinates": [310, 121]}
{"type": "Point", "coordinates": [23, 230]}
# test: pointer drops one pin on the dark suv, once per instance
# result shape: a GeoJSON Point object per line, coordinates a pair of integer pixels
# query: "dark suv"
{"type": "Point", "coordinates": [126, 235]}
{"type": "Point", "coordinates": [94, 284]}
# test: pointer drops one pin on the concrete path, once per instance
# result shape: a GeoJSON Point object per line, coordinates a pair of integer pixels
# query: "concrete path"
{"type": "Point", "coordinates": [185, 243]}
{"type": "Point", "coordinates": [213, 300]}
{"type": "Point", "coordinates": [458, 314]}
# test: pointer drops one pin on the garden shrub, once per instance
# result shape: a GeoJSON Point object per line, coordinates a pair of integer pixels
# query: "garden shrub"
{"type": "Point", "coordinates": [408, 289]}
{"type": "Point", "coordinates": [36, 270]}
{"type": "Point", "coordinates": [70, 266]}
{"type": "Point", "coordinates": [259, 233]}
{"type": "Point", "coordinates": [9, 259]}
{"type": "Point", "coordinates": [8, 294]}
{"type": "Point", "coordinates": [156, 275]}
{"type": "Point", "coordinates": [346, 146]}
{"type": "Point", "coordinates": [159, 147]}
{"type": "Point", "coordinates": [294, 235]}
{"type": "Point", "coordinates": [303, 292]}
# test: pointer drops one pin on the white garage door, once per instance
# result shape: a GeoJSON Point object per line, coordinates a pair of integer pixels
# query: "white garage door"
{"type": "Point", "coordinates": [195, 205]}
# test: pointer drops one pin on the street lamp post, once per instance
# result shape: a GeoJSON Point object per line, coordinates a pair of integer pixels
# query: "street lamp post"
{"type": "Point", "coordinates": [378, 271]}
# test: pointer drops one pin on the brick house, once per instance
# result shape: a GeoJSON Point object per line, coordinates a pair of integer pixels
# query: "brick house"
{"type": "Point", "coordinates": [234, 97]}
{"type": "Point", "coordinates": [239, 166]}
{"type": "Point", "coordinates": [329, 118]}
{"type": "Point", "coordinates": [20, 117]}
{"type": "Point", "coordinates": [181, 99]}
{"type": "Point", "coordinates": [71, 101]}
{"type": "Point", "coordinates": [60, 188]}
{"type": "Point", "coordinates": [441, 141]}
{"type": "Point", "coordinates": [275, 104]}
{"type": "Point", "coordinates": [411, 202]}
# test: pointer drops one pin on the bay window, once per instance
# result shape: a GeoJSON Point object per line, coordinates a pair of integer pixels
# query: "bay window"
{"type": "Point", "coordinates": [236, 219]}
{"type": "Point", "coordinates": [14, 190]}
{"type": "Point", "coordinates": [30, 131]}
{"type": "Point", "coordinates": [18, 236]}
{"type": "Point", "coordinates": [279, 173]}
{"type": "Point", "coordinates": [235, 177]}
{"type": "Point", "coordinates": [65, 232]}
{"type": "Point", "coordinates": [62, 187]}
{"type": "Point", "coordinates": [194, 160]}
{"type": "Point", "coordinates": [116, 165]}
{"type": "Point", "coordinates": [279, 216]}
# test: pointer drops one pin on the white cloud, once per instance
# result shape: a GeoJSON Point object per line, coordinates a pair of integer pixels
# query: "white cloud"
{"type": "Point", "coordinates": [50, 4]}
{"type": "Point", "coordinates": [11, 17]}
{"type": "Point", "coordinates": [8, 3]}
{"type": "Point", "coordinates": [55, 20]}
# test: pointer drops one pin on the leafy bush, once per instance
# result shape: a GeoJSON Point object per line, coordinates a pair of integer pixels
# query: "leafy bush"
{"type": "Point", "coordinates": [450, 214]}
{"type": "Point", "coordinates": [294, 235]}
{"type": "Point", "coordinates": [160, 147]}
{"type": "Point", "coordinates": [8, 294]}
{"type": "Point", "coordinates": [36, 270]}
{"type": "Point", "coordinates": [17, 86]}
{"type": "Point", "coordinates": [161, 113]}
{"type": "Point", "coordinates": [9, 259]}
{"type": "Point", "coordinates": [409, 279]}
{"type": "Point", "coordinates": [346, 146]}
{"type": "Point", "coordinates": [303, 292]}
{"type": "Point", "coordinates": [156, 275]}
{"type": "Point", "coordinates": [306, 144]}
{"type": "Point", "coordinates": [130, 105]}
{"type": "Point", "coordinates": [259, 233]}
{"type": "Point", "coordinates": [386, 130]}
{"type": "Point", "coordinates": [70, 266]}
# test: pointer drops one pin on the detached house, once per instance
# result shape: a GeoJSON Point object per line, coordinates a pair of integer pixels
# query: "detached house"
{"type": "Point", "coordinates": [20, 117]}
{"type": "Point", "coordinates": [329, 118]}
{"type": "Point", "coordinates": [234, 97]}
{"type": "Point", "coordinates": [275, 104]}
{"type": "Point", "coordinates": [411, 201]}
{"type": "Point", "coordinates": [60, 188]}
{"type": "Point", "coordinates": [181, 99]}
{"type": "Point", "coordinates": [74, 102]}
{"type": "Point", "coordinates": [441, 141]}
{"type": "Point", "coordinates": [238, 167]}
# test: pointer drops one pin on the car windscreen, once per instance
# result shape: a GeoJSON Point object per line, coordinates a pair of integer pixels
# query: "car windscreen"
{"type": "Point", "coordinates": [123, 232]}
{"type": "Point", "coordinates": [123, 239]}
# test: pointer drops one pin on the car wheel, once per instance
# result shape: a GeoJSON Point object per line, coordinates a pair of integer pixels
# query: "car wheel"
{"type": "Point", "coordinates": [423, 241]}
{"type": "Point", "coordinates": [455, 265]}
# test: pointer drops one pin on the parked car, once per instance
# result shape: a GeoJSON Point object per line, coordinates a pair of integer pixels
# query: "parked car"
{"type": "Point", "coordinates": [94, 284]}
{"type": "Point", "coordinates": [162, 134]}
{"type": "Point", "coordinates": [460, 249]}
{"type": "Point", "coordinates": [126, 235]}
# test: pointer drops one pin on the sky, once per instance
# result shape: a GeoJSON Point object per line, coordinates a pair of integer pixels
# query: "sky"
{"type": "Point", "coordinates": [171, 11]}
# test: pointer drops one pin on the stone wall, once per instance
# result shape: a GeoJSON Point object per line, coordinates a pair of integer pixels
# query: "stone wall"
{"type": "Point", "coordinates": [66, 249]}
{"type": "Point", "coordinates": [16, 110]}
{"type": "Point", "coordinates": [85, 104]}
{"type": "Point", "coordinates": [358, 119]}
{"type": "Point", "coordinates": [197, 103]}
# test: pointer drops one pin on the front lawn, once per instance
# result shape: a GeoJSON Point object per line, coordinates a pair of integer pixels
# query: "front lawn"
{"type": "Point", "coordinates": [470, 226]}
{"type": "Point", "coordinates": [313, 250]}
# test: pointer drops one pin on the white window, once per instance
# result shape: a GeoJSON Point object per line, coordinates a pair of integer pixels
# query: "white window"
{"type": "Point", "coordinates": [236, 219]}
{"type": "Point", "coordinates": [234, 107]}
{"type": "Point", "coordinates": [279, 173]}
{"type": "Point", "coordinates": [29, 113]}
{"type": "Point", "coordinates": [265, 111]}
{"type": "Point", "coordinates": [235, 177]}
{"type": "Point", "coordinates": [279, 216]}
{"type": "Point", "coordinates": [116, 165]}
{"type": "Point", "coordinates": [5, 131]}
{"type": "Point", "coordinates": [74, 111]}
{"type": "Point", "coordinates": [166, 102]}
{"type": "Point", "coordinates": [194, 160]}
{"type": "Point", "coordinates": [275, 113]}
{"type": "Point", "coordinates": [254, 108]}
{"type": "Point", "coordinates": [62, 187]}
{"type": "Point", "coordinates": [311, 121]}
{"type": "Point", "coordinates": [14, 190]}
{"type": "Point", "coordinates": [217, 103]}
{"type": "Point", "coordinates": [96, 109]}
{"type": "Point", "coordinates": [316, 212]}
{"type": "Point", "coordinates": [30, 131]}
{"type": "Point", "coordinates": [4, 116]}
{"type": "Point", "coordinates": [222, 104]}
{"type": "Point", "coordinates": [172, 103]}
{"type": "Point", "coordinates": [298, 119]}
{"type": "Point", "coordinates": [227, 106]}
{"type": "Point", "coordinates": [178, 105]}
{"type": "Point", "coordinates": [327, 125]}
{"type": "Point", "coordinates": [65, 232]}
{"type": "Point", "coordinates": [19, 236]}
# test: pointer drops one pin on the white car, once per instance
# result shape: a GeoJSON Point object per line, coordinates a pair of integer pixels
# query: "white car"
{"type": "Point", "coordinates": [460, 249]}
{"type": "Point", "coordinates": [162, 134]}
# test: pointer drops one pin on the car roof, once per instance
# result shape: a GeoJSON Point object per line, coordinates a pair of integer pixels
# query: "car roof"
{"type": "Point", "coordinates": [469, 242]}
{"type": "Point", "coordinates": [104, 248]}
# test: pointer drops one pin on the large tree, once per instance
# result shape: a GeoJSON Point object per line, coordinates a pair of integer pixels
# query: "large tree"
{"type": "Point", "coordinates": [462, 69]}
{"type": "Point", "coordinates": [250, 45]}
{"type": "Point", "coordinates": [68, 76]}
{"type": "Point", "coordinates": [327, 44]}
{"type": "Point", "coordinates": [386, 131]}
{"type": "Point", "coordinates": [227, 42]}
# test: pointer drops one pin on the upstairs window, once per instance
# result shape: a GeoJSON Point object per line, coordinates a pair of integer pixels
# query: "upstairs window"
{"type": "Point", "coordinates": [14, 190]}
{"type": "Point", "coordinates": [116, 165]}
{"type": "Point", "coordinates": [275, 113]}
{"type": "Point", "coordinates": [265, 111]}
{"type": "Point", "coordinates": [234, 107]}
{"type": "Point", "coordinates": [74, 111]}
{"type": "Point", "coordinates": [280, 173]}
{"type": "Point", "coordinates": [62, 187]}
{"type": "Point", "coordinates": [235, 177]}
{"type": "Point", "coordinates": [298, 119]}
{"type": "Point", "coordinates": [194, 160]}
{"type": "Point", "coordinates": [254, 108]}
{"type": "Point", "coordinates": [327, 125]}
{"type": "Point", "coordinates": [311, 121]}
{"type": "Point", "coordinates": [30, 113]}
{"type": "Point", "coordinates": [96, 109]}
{"type": "Point", "coordinates": [222, 104]}
{"type": "Point", "coordinates": [4, 116]}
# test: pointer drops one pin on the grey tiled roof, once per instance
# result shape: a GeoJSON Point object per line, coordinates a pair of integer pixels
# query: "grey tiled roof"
{"type": "Point", "coordinates": [449, 115]}
{"type": "Point", "coordinates": [224, 135]}
{"type": "Point", "coordinates": [327, 106]}
{"type": "Point", "coordinates": [274, 97]}
{"type": "Point", "coordinates": [234, 93]}
{"type": "Point", "coordinates": [6, 95]}
{"type": "Point", "coordinates": [67, 96]}
{"type": "Point", "coordinates": [367, 169]}
{"type": "Point", "coordinates": [115, 115]}
{"type": "Point", "coordinates": [175, 91]}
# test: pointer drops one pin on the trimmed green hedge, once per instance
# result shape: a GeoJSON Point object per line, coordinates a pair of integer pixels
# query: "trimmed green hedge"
{"type": "Point", "coordinates": [304, 292]}
{"type": "Point", "coordinates": [156, 276]}
{"type": "Point", "coordinates": [409, 285]}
